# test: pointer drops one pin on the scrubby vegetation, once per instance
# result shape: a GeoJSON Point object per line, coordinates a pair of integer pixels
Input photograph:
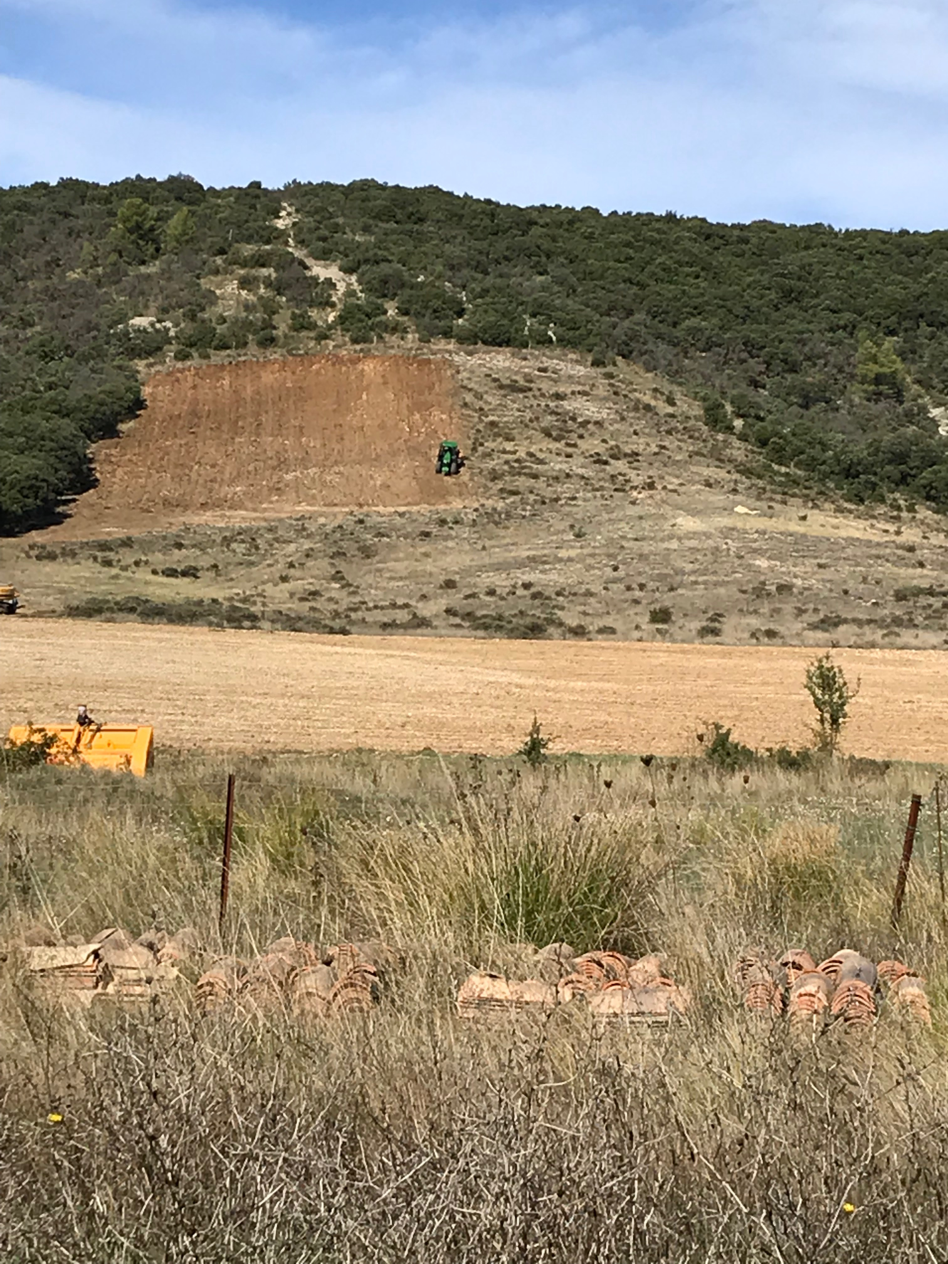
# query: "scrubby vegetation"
{"type": "Point", "coordinates": [831, 695]}
{"type": "Point", "coordinates": [30, 753]}
{"type": "Point", "coordinates": [159, 1134]}
{"type": "Point", "coordinates": [825, 350]}
{"type": "Point", "coordinates": [208, 612]}
{"type": "Point", "coordinates": [78, 262]}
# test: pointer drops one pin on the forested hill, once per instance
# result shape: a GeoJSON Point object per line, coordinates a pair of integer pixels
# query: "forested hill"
{"type": "Point", "coordinates": [827, 348]}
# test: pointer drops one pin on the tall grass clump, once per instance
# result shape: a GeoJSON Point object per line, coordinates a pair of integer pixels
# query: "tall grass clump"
{"type": "Point", "coordinates": [512, 865]}
{"type": "Point", "coordinates": [788, 878]}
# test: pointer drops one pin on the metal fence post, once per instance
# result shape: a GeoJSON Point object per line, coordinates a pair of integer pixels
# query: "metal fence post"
{"type": "Point", "coordinates": [906, 859]}
{"type": "Point", "coordinates": [225, 859]}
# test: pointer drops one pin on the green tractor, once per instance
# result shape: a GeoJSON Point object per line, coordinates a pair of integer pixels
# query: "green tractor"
{"type": "Point", "coordinates": [449, 459]}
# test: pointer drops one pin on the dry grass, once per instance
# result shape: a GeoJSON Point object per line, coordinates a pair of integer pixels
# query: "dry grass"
{"type": "Point", "coordinates": [407, 1135]}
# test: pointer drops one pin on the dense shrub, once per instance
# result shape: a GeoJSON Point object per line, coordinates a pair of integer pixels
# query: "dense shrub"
{"type": "Point", "coordinates": [42, 458]}
{"type": "Point", "coordinates": [716, 415]}
{"type": "Point", "coordinates": [359, 318]}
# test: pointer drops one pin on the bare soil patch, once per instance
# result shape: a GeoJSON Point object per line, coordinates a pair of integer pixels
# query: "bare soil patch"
{"type": "Point", "coordinates": [282, 691]}
{"type": "Point", "coordinates": [267, 438]}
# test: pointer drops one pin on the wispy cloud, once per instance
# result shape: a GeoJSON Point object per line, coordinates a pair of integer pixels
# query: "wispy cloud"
{"type": "Point", "coordinates": [824, 109]}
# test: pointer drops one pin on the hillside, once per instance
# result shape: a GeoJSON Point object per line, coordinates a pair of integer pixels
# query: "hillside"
{"type": "Point", "coordinates": [596, 504]}
{"type": "Point", "coordinates": [449, 995]}
{"type": "Point", "coordinates": [827, 351]}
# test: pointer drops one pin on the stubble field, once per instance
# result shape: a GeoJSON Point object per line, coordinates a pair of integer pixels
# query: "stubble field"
{"type": "Point", "coordinates": [246, 690]}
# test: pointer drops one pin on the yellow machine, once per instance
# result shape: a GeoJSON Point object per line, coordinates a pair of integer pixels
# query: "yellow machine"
{"type": "Point", "coordinates": [9, 599]}
{"type": "Point", "coordinates": [118, 747]}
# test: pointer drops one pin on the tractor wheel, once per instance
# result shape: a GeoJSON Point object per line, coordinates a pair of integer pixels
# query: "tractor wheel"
{"type": "Point", "coordinates": [453, 467]}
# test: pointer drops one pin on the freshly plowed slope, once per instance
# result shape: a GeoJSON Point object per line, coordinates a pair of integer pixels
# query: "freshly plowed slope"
{"type": "Point", "coordinates": [276, 437]}
{"type": "Point", "coordinates": [256, 690]}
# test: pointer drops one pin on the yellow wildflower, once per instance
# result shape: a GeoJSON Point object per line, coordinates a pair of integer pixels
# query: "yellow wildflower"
{"type": "Point", "coordinates": [848, 1208]}
{"type": "Point", "coordinates": [53, 1118]}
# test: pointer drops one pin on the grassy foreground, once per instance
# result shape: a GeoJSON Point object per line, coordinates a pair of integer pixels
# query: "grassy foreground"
{"type": "Point", "coordinates": [407, 1136]}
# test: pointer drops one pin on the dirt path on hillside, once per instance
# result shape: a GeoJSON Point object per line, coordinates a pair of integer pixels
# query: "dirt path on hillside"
{"type": "Point", "coordinates": [279, 691]}
{"type": "Point", "coordinates": [323, 270]}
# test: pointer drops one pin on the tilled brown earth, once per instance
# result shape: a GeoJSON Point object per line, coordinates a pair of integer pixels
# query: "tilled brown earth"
{"type": "Point", "coordinates": [283, 691]}
{"type": "Point", "coordinates": [277, 437]}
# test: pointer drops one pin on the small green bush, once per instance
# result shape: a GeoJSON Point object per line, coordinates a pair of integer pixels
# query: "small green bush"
{"type": "Point", "coordinates": [716, 415]}
{"type": "Point", "coordinates": [790, 760]}
{"type": "Point", "coordinates": [535, 746]}
{"type": "Point", "coordinates": [660, 615]}
{"type": "Point", "coordinates": [723, 751]}
{"type": "Point", "coordinates": [18, 756]}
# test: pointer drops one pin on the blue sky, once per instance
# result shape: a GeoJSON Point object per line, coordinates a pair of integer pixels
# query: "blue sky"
{"type": "Point", "coordinates": [800, 110]}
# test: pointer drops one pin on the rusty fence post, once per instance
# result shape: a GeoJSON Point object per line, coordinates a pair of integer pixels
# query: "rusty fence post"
{"type": "Point", "coordinates": [906, 859]}
{"type": "Point", "coordinates": [225, 859]}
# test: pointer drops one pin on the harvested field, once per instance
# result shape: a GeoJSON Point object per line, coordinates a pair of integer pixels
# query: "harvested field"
{"type": "Point", "coordinates": [256, 439]}
{"type": "Point", "coordinates": [285, 691]}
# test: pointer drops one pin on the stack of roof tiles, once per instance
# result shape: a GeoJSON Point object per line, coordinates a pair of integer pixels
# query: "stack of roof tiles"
{"type": "Point", "coordinates": [70, 972]}
{"type": "Point", "coordinates": [847, 989]}
{"type": "Point", "coordinates": [614, 988]}
{"type": "Point", "coordinates": [109, 965]}
{"type": "Point", "coordinates": [293, 976]}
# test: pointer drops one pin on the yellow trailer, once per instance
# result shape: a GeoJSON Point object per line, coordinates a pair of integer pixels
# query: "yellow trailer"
{"type": "Point", "coordinates": [122, 748]}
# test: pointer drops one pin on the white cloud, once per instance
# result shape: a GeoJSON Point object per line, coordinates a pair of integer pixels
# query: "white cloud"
{"type": "Point", "coordinates": [826, 47]}
{"type": "Point", "coordinates": [753, 108]}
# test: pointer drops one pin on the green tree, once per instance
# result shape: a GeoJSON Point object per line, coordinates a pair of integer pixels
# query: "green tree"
{"type": "Point", "coordinates": [716, 415]}
{"type": "Point", "coordinates": [88, 256]}
{"type": "Point", "coordinates": [179, 231]}
{"type": "Point", "coordinates": [135, 236]}
{"type": "Point", "coordinates": [880, 373]}
{"type": "Point", "coordinates": [748, 405]}
{"type": "Point", "coordinates": [831, 695]}
{"type": "Point", "coordinates": [358, 319]}
{"type": "Point", "coordinates": [42, 459]}
{"type": "Point", "coordinates": [495, 324]}
{"type": "Point", "coordinates": [294, 283]}
{"type": "Point", "coordinates": [383, 280]}
{"type": "Point", "coordinates": [198, 334]}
